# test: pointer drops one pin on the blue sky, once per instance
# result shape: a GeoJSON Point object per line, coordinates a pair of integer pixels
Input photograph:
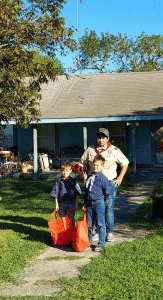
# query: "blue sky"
{"type": "Point", "coordinates": [130, 17]}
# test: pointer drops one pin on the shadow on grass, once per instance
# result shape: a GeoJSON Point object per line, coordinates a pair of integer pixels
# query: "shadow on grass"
{"type": "Point", "coordinates": [28, 232]}
{"type": "Point", "coordinates": [36, 221]}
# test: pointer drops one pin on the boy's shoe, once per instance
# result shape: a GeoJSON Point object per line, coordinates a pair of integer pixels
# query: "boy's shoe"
{"type": "Point", "coordinates": [88, 248]}
{"type": "Point", "coordinates": [95, 237]}
{"type": "Point", "coordinates": [109, 237]}
{"type": "Point", "coordinates": [99, 248]}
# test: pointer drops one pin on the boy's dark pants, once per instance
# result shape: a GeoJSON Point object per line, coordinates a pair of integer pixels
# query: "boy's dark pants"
{"type": "Point", "coordinates": [64, 208]}
{"type": "Point", "coordinates": [96, 209]}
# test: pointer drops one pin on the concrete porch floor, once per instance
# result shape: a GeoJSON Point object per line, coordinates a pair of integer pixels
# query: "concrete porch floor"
{"type": "Point", "coordinates": [141, 173]}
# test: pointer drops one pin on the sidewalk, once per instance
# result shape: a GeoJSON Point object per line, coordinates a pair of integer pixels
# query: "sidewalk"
{"type": "Point", "coordinates": [54, 263]}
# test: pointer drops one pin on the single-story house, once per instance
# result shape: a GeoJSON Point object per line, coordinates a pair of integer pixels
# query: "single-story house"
{"type": "Point", "coordinates": [129, 105]}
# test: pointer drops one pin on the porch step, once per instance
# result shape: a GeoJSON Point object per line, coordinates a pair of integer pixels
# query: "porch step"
{"type": "Point", "coordinates": [146, 175]}
{"type": "Point", "coordinates": [150, 170]}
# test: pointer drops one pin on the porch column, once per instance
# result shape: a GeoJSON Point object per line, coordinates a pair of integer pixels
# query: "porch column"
{"type": "Point", "coordinates": [85, 135]}
{"type": "Point", "coordinates": [133, 148]}
{"type": "Point", "coordinates": [133, 127]}
{"type": "Point", "coordinates": [35, 150]}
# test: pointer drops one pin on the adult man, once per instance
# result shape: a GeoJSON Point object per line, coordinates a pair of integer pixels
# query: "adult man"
{"type": "Point", "coordinates": [113, 156]}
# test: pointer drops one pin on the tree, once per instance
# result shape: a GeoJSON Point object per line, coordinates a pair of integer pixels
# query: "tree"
{"type": "Point", "coordinates": [44, 60]}
{"type": "Point", "coordinates": [38, 26]}
{"type": "Point", "coordinates": [146, 53]}
{"type": "Point", "coordinates": [94, 52]}
{"type": "Point", "coordinates": [110, 53]}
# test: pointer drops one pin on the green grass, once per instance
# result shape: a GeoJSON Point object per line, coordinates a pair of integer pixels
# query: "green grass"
{"type": "Point", "coordinates": [25, 208]}
{"type": "Point", "coordinates": [24, 211]}
{"type": "Point", "coordinates": [74, 257]}
{"type": "Point", "coordinates": [139, 221]}
{"type": "Point", "coordinates": [130, 270]}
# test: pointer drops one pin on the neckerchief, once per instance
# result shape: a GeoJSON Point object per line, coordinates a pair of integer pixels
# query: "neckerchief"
{"type": "Point", "coordinates": [90, 181]}
{"type": "Point", "coordinates": [102, 150]}
{"type": "Point", "coordinates": [66, 179]}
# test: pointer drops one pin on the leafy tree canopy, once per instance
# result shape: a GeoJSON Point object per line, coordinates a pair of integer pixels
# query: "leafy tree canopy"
{"type": "Point", "coordinates": [117, 53]}
{"type": "Point", "coordinates": [44, 59]}
{"type": "Point", "coordinates": [26, 31]}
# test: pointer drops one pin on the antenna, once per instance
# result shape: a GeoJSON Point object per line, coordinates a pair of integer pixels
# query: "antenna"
{"type": "Point", "coordinates": [77, 17]}
{"type": "Point", "coordinates": [77, 60]}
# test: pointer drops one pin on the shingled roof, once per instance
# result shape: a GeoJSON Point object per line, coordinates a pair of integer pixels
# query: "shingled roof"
{"type": "Point", "coordinates": [103, 95]}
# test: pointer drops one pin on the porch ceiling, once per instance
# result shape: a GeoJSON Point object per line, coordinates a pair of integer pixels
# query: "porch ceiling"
{"type": "Point", "coordinates": [103, 95]}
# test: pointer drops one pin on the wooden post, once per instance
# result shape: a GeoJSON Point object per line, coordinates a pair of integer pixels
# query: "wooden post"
{"type": "Point", "coordinates": [35, 150]}
{"type": "Point", "coordinates": [85, 135]}
{"type": "Point", "coordinates": [133, 148]}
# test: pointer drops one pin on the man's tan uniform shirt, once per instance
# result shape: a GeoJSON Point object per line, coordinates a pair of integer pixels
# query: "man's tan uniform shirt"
{"type": "Point", "coordinates": [112, 155]}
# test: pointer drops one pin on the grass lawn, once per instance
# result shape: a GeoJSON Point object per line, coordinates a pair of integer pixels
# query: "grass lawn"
{"type": "Point", "coordinates": [131, 270]}
{"type": "Point", "coordinates": [25, 208]}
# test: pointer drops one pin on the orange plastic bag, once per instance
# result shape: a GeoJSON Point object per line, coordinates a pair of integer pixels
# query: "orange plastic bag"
{"type": "Point", "coordinates": [80, 234]}
{"type": "Point", "coordinates": [61, 229]}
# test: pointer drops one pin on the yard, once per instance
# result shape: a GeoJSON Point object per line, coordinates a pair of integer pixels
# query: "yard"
{"type": "Point", "coordinates": [131, 270]}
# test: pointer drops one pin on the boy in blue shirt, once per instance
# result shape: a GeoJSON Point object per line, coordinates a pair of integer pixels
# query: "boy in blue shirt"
{"type": "Point", "coordinates": [96, 188]}
{"type": "Point", "coordinates": [66, 191]}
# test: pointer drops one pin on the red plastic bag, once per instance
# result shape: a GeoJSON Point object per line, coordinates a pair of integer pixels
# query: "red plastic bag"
{"type": "Point", "coordinates": [61, 229]}
{"type": "Point", "coordinates": [80, 234]}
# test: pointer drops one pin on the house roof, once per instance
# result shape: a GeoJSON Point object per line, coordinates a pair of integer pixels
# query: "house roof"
{"type": "Point", "coordinates": [103, 95]}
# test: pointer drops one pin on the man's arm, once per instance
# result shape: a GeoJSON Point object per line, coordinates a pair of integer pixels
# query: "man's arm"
{"type": "Point", "coordinates": [83, 164]}
{"type": "Point", "coordinates": [121, 175]}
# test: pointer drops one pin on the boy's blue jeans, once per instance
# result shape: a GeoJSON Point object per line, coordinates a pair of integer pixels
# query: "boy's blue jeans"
{"type": "Point", "coordinates": [109, 209]}
{"type": "Point", "coordinates": [96, 209]}
{"type": "Point", "coordinates": [64, 208]}
{"type": "Point", "coordinates": [109, 206]}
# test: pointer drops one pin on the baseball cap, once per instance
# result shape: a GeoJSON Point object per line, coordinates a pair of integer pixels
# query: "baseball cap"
{"type": "Point", "coordinates": [103, 131]}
